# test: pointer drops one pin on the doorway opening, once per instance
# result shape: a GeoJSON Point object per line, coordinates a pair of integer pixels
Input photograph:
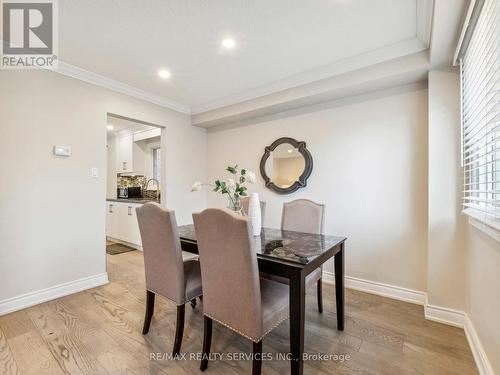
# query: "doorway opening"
{"type": "Point", "coordinates": [134, 177]}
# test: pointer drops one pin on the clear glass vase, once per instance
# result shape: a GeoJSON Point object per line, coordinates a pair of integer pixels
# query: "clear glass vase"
{"type": "Point", "coordinates": [234, 204]}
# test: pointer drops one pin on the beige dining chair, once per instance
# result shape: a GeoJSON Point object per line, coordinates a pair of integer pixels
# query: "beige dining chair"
{"type": "Point", "coordinates": [304, 215]}
{"type": "Point", "coordinates": [245, 201]}
{"type": "Point", "coordinates": [233, 293]}
{"type": "Point", "coordinates": [167, 273]}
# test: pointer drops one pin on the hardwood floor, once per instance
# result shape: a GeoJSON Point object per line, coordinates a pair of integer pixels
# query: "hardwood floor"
{"type": "Point", "coordinates": [99, 332]}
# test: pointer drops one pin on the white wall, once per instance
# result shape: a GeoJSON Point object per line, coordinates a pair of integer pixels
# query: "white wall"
{"type": "Point", "coordinates": [446, 283]}
{"type": "Point", "coordinates": [52, 213]}
{"type": "Point", "coordinates": [483, 268]}
{"type": "Point", "coordinates": [463, 262]}
{"type": "Point", "coordinates": [370, 169]}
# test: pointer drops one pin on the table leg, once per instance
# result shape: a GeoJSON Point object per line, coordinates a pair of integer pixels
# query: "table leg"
{"type": "Point", "coordinates": [297, 318]}
{"type": "Point", "coordinates": [339, 287]}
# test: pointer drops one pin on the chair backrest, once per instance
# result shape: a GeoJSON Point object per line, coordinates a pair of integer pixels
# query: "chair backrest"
{"type": "Point", "coordinates": [229, 270]}
{"type": "Point", "coordinates": [303, 215]}
{"type": "Point", "coordinates": [162, 251]}
{"type": "Point", "coordinates": [245, 201]}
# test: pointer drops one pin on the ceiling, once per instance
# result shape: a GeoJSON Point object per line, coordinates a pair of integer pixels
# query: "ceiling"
{"type": "Point", "coordinates": [280, 43]}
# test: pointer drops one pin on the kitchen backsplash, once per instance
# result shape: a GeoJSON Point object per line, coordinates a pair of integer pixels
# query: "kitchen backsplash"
{"type": "Point", "coordinates": [131, 181]}
{"type": "Point", "coordinates": [150, 194]}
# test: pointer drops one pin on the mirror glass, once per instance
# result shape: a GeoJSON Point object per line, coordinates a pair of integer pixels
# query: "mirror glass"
{"type": "Point", "coordinates": [285, 165]}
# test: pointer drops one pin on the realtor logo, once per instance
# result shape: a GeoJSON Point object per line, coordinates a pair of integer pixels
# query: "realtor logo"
{"type": "Point", "coordinates": [29, 34]}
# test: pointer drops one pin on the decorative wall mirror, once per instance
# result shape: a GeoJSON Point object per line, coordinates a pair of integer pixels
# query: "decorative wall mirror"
{"type": "Point", "coordinates": [286, 165]}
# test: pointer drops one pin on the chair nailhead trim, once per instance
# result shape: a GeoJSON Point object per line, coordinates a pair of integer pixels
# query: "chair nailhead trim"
{"type": "Point", "coordinates": [273, 327]}
{"type": "Point", "coordinates": [244, 335]}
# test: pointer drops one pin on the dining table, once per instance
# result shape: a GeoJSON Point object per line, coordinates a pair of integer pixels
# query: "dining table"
{"type": "Point", "coordinates": [292, 255]}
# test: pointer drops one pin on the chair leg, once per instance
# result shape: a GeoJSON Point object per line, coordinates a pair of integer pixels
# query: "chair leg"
{"type": "Point", "coordinates": [150, 306]}
{"type": "Point", "coordinates": [320, 296]}
{"type": "Point", "coordinates": [207, 341]}
{"type": "Point", "coordinates": [179, 329]}
{"type": "Point", "coordinates": [257, 358]}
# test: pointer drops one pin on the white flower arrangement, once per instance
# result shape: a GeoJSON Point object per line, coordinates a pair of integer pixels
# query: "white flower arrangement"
{"type": "Point", "coordinates": [234, 187]}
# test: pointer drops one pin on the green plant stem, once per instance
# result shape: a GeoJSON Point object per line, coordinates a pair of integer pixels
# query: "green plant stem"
{"type": "Point", "coordinates": [231, 199]}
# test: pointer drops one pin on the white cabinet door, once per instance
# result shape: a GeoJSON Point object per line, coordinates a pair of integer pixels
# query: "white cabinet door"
{"type": "Point", "coordinates": [112, 219]}
{"type": "Point", "coordinates": [128, 227]}
{"type": "Point", "coordinates": [133, 225]}
{"type": "Point", "coordinates": [121, 222]}
{"type": "Point", "coordinates": [125, 159]}
{"type": "Point", "coordinates": [124, 223]}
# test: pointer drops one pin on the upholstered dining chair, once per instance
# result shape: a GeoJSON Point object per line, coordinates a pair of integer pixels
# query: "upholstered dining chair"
{"type": "Point", "coordinates": [304, 215]}
{"type": "Point", "coordinates": [245, 201]}
{"type": "Point", "coordinates": [233, 293]}
{"type": "Point", "coordinates": [167, 273]}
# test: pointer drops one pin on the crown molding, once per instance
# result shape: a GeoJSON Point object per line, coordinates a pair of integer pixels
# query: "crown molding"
{"type": "Point", "coordinates": [394, 51]}
{"type": "Point", "coordinates": [343, 99]}
{"type": "Point", "coordinates": [403, 48]}
{"type": "Point", "coordinates": [418, 43]}
{"type": "Point", "coordinates": [108, 83]}
{"type": "Point", "coordinates": [392, 73]}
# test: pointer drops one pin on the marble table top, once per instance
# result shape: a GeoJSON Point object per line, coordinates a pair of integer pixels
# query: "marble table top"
{"type": "Point", "coordinates": [290, 246]}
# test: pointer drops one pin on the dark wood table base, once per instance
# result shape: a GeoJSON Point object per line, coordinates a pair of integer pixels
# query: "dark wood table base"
{"type": "Point", "coordinates": [296, 272]}
{"type": "Point", "coordinates": [297, 310]}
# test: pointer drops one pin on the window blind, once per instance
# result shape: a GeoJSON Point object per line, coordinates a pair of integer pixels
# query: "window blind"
{"type": "Point", "coordinates": [480, 81]}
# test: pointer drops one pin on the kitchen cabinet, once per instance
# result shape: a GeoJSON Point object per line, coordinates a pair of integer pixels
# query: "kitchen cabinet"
{"type": "Point", "coordinates": [121, 222]}
{"type": "Point", "coordinates": [111, 219]}
{"type": "Point", "coordinates": [125, 154]}
{"type": "Point", "coordinates": [127, 223]}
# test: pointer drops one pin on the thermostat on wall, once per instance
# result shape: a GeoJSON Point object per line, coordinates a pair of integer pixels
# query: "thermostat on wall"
{"type": "Point", "coordinates": [62, 150]}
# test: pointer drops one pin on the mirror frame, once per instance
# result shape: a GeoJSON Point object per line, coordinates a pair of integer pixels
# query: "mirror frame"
{"type": "Point", "coordinates": [302, 182]}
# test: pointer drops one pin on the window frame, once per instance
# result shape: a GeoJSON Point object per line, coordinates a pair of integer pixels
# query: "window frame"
{"type": "Point", "coordinates": [485, 211]}
{"type": "Point", "coordinates": [156, 162]}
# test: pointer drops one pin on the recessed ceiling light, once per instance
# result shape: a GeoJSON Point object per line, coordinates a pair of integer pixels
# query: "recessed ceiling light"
{"type": "Point", "coordinates": [164, 74]}
{"type": "Point", "coordinates": [110, 127]}
{"type": "Point", "coordinates": [229, 43]}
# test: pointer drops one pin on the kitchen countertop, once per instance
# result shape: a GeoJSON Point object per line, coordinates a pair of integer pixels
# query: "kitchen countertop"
{"type": "Point", "coordinates": [132, 200]}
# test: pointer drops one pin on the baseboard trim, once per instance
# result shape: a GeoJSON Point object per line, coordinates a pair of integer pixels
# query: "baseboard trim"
{"type": "Point", "coordinates": [438, 314]}
{"type": "Point", "coordinates": [483, 364]}
{"type": "Point", "coordinates": [435, 313]}
{"type": "Point", "coordinates": [34, 298]}
{"type": "Point", "coordinates": [445, 315]}
{"type": "Point", "coordinates": [381, 289]}
{"type": "Point", "coordinates": [460, 319]}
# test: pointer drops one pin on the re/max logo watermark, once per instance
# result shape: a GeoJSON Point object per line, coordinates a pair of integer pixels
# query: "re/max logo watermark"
{"type": "Point", "coordinates": [29, 34]}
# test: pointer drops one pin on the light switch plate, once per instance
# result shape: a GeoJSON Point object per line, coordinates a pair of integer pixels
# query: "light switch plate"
{"type": "Point", "coordinates": [95, 172]}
